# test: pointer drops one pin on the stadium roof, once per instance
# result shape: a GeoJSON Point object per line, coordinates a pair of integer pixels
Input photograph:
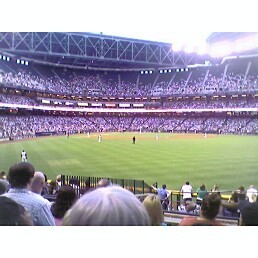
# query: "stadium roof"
{"type": "Point", "coordinates": [97, 51]}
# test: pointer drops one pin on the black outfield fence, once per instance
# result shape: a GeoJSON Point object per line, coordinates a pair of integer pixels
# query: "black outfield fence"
{"type": "Point", "coordinates": [138, 187]}
{"type": "Point", "coordinates": [82, 182]}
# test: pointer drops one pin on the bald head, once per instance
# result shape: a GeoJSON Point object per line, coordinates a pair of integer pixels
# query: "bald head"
{"type": "Point", "coordinates": [4, 184]}
{"type": "Point", "coordinates": [38, 182]}
{"type": "Point", "coordinates": [104, 182]}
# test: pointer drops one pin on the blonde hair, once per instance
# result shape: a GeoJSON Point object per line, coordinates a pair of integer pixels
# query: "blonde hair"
{"type": "Point", "coordinates": [153, 206]}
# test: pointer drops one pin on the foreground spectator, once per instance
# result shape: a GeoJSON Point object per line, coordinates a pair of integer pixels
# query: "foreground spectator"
{"type": "Point", "coordinates": [163, 194]}
{"type": "Point", "coordinates": [21, 176]}
{"type": "Point", "coordinates": [249, 215]}
{"type": "Point", "coordinates": [2, 175]}
{"type": "Point", "coordinates": [13, 214]}
{"type": "Point", "coordinates": [86, 188]}
{"type": "Point", "coordinates": [46, 186]}
{"type": "Point", "coordinates": [154, 208]}
{"type": "Point", "coordinates": [187, 191]}
{"type": "Point", "coordinates": [201, 193]}
{"type": "Point", "coordinates": [104, 182]}
{"type": "Point", "coordinates": [3, 186]}
{"type": "Point", "coordinates": [243, 200]}
{"type": "Point", "coordinates": [52, 191]}
{"type": "Point", "coordinates": [230, 207]}
{"type": "Point", "coordinates": [58, 181]}
{"type": "Point", "coordinates": [107, 206]}
{"type": "Point", "coordinates": [38, 184]}
{"type": "Point", "coordinates": [65, 198]}
{"type": "Point", "coordinates": [251, 193]}
{"type": "Point", "coordinates": [190, 207]}
{"type": "Point", "coordinates": [209, 210]}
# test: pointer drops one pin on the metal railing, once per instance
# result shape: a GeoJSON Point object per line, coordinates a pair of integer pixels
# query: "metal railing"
{"type": "Point", "coordinates": [82, 182]}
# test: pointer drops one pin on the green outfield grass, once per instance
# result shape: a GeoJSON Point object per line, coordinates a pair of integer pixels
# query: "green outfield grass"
{"type": "Point", "coordinates": [227, 160]}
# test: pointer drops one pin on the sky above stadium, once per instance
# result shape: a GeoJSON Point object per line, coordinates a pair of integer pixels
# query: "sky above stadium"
{"type": "Point", "coordinates": [164, 20]}
{"type": "Point", "coordinates": [181, 37]}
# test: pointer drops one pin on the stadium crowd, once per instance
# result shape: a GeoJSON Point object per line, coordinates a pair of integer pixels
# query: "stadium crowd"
{"type": "Point", "coordinates": [65, 81]}
{"type": "Point", "coordinates": [18, 127]}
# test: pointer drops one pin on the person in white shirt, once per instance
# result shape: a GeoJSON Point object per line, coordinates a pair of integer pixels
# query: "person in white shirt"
{"type": "Point", "coordinates": [24, 156]}
{"type": "Point", "coordinates": [252, 193]}
{"type": "Point", "coordinates": [187, 190]}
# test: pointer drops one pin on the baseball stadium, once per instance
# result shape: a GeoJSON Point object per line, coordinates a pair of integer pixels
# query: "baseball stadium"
{"type": "Point", "coordinates": [140, 113]}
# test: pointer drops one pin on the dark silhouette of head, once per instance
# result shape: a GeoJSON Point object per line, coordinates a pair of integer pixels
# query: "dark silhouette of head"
{"type": "Point", "coordinates": [65, 198]}
{"type": "Point", "coordinates": [13, 214]}
{"type": "Point", "coordinates": [21, 174]}
{"type": "Point", "coordinates": [249, 215]}
{"type": "Point", "coordinates": [3, 186]}
{"type": "Point", "coordinates": [210, 206]}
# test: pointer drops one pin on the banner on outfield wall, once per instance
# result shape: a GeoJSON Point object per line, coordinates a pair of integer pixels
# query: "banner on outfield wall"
{"type": "Point", "coordinates": [124, 105]}
{"type": "Point", "coordinates": [138, 105]}
{"type": "Point", "coordinates": [4, 139]}
{"type": "Point", "coordinates": [37, 134]}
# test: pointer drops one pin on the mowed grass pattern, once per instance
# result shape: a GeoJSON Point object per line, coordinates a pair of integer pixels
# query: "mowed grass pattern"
{"type": "Point", "coordinates": [227, 160]}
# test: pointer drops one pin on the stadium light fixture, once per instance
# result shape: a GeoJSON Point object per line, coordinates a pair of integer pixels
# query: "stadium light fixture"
{"type": "Point", "coordinates": [26, 63]}
{"type": "Point", "coordinates": [22, 62]}
{"type": "Point", "coordinates": [4, 57]}
{"type": "Point", "coordinates": [18, 61]}
{"type": "Point", "coordinates": [8, 58]}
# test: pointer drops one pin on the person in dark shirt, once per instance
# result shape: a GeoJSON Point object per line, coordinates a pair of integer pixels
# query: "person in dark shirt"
{"type": "Point", "coordinates": [249, 215]}
{"type": "Point", "coordinates": [134, 139]}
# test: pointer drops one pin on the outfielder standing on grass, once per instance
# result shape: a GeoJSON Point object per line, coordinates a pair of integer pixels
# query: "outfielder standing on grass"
{"type": "Point", "coordinates": [24, 156]}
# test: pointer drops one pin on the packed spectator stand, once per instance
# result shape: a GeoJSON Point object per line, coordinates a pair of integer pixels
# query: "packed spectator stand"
{"type": "Point", "coordinates": [228, 86]}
